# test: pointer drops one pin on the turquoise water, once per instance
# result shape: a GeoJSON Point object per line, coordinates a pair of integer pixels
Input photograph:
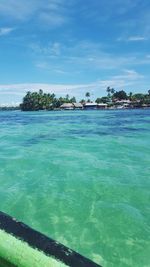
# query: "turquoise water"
{"type": "Point", "coordinates": [83, 178]}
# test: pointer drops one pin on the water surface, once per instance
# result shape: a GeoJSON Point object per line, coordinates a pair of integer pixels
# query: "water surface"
{"type": "Point", "coordinates": [83, 178]}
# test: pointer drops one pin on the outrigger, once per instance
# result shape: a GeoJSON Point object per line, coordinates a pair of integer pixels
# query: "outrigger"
{"type": "Point", "coordinates": [22, 246]}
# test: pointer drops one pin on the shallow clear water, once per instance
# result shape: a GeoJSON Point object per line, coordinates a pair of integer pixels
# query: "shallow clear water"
{"type": "Point", "coordinates": [83, 178]}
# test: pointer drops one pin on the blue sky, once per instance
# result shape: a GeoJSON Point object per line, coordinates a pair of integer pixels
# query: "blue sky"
{"type": "Point", "coordinates": [73, 46]}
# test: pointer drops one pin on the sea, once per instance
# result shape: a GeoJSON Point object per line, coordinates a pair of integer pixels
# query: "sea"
{"type": "Point", "coordinates": [82, 178]}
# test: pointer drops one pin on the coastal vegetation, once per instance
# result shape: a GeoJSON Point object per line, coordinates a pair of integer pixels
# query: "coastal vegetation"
{"type": "Point", "coordinates": [33, 101]}
{"type": "Point", "coordinates": [7, 108]}
{"type": "Point", "coordinates": [42, 101]}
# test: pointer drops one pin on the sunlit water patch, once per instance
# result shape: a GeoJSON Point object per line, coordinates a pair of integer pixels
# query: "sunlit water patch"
{"type": "Point", "coordinates": [81, 177]}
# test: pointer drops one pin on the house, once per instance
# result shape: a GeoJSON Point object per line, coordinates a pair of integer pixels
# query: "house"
{"type": "Point", "coordinates": [90, 105]}
{"type": "Point", "coordinates": [101, 106]}
{"type": "Point", "coordinates": [121, 104]}
{"type": "Point", "coordinates": [78, 105]}
{"type": "Point", "coordinates": [67, 106]}
{"type": "Point", "coordinates": [124, 101]}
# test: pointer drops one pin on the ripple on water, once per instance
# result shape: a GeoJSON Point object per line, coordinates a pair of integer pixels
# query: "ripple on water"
{"type": "Point", "coordinates": [82, 178]}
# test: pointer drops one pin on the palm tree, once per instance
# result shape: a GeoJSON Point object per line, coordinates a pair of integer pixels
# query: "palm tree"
{"type": "Point", "coordinates": [87, 95]}
{"type": "Point", "coordinates": [82, 101]}
{"type": "Point", "coordinates": [108, 91]}
{"type": "Point", "coordinates": [73, 99]}
{"type": "Point", "coordinates": [130, 95]}
{"type": "Point", "coordinates": [67, 98]}
{"type": "Point", "coordinates": [40, 92]}
{"type": "Point", "coordinates": [112, 91]}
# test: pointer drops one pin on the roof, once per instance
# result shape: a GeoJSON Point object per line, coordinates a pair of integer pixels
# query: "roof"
{"type": "Point", "coordinates": [123, 101]}
{"type": "Point", "coordinates": [102, 104]}
{"type": "Point", "coordinates": [88, 104]}
{"type": "Point", "coordinates": [77, 105]}
{"type": "Point", "coordinates": [67, 105]}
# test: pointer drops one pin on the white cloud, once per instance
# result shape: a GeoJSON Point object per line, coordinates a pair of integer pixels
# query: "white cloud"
{"type": "Point", "coordinates": [124, 79]}
{"type": "Point", "coordinates": [128, 78]}
{"type": "Point", "coordinates": [83, 56]}
{"type": "Point", "coordinates": [56, 88]}
{"type": "Point", "coordinates": [52, 19]}
{"type": "Point", "coordinates": [136, 38]}
{"type": "Point", "coordinates": [132, 75]}
{"type": "Point", "coordinates": [55, 49]}
{"type": "Point", "coordinates": [18, 9]}
{"type": "Point", "coordinates": [5, 31]}
{"type": "Point", "coordinates": [17, 91]}
{"type": "Point", "coordinates": [103, 11]}
{"type": "Point", "coordinates": [51, 50]}
{"type": "Point", "coordinates": [48, 13]}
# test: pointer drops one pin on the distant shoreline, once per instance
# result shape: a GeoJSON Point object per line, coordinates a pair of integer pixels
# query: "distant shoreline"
{"type": "Point", "coordinates": [96, 109]}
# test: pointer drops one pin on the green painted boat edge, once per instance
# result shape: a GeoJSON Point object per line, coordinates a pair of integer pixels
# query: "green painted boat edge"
{"type": "Point", "coordinates": [42, 243]}
{"type": "Point", "coordinates": [5, 263]}
{"type": "Point", "coordinates": [17, 253]}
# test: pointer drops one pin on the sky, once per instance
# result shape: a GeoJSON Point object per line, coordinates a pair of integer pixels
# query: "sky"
{"type": "Point", "coordinates": [73, 46]}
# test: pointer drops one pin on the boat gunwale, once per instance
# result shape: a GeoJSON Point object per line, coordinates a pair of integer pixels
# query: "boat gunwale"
{"type": "Point", "coordinates": [43, 243]}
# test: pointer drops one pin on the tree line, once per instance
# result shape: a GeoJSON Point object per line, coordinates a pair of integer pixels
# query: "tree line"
{"type": "Point", "coordinates": [113, 96]}
{"type": "Point", "coordinates": [33, 101]}
{"type": "Point", "coordinates": [41, 101]}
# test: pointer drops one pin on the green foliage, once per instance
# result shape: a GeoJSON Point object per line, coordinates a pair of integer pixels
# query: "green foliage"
{"type": "Point", "coordinates": [138, 96]}
{"type": "Point", "coordinates": [110, 91]}
{"type": "Point", "coordinates": [120, 95]}
{"type": "Point", "coordinates": [103, 99]}
{"type": "Point", "coordinates": [73, 100]}
{"type": "Point", "coordinates": [87, 94]}
{"type": "Point", "coordinates": [82, 101]}
{"type": "Point", "coordinates": [130, 96]}
{"type": "Point", "coordinates": [33, 101]}
{"type": "Point", "coordinates": [37, 101]}
{"type": "Point", "coordinates": [98, 100]}
{"type": "Point", "coordinates": [42, 101]}
{"type": "Point", "coordinates": [6, 108]}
